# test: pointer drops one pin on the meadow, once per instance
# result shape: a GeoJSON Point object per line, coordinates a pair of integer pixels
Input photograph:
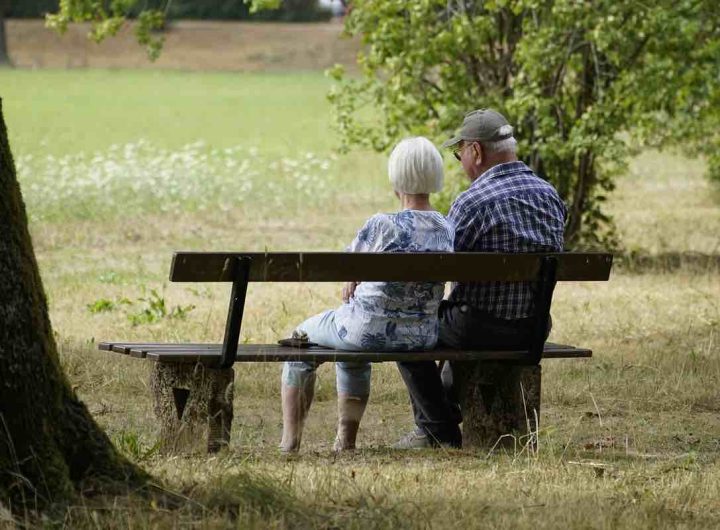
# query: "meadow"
{"type": "Point", "coordinates": [120, 168]}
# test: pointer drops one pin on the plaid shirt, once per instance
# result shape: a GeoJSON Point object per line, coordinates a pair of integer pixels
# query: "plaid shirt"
{"type": "Point", "coordinates": [507, 209]}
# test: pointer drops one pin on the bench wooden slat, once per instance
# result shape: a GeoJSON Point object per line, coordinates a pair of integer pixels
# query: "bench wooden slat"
{"type": "Point", "coordinates": [210, 353]}
{"type": "Point", "coordinates": [142, 351]}
{"type": "Point", "coordinates": [127, 348]}
{"type": "Point", "coordinates": [348, 266]}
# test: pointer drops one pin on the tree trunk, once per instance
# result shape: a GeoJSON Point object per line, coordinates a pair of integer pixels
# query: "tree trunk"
{"type": "Point", "coordinates": [586, 159]}
{"type": "Point", "coordinates": [583, 185]}
{"type": "Point", "coordinates": [4, 57]}
{"type": "Point", "coordinates": [50, 447]}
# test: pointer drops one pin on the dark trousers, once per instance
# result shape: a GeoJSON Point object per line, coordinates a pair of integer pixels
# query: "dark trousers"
{"type": "Point", "coordinates": [433, 400]}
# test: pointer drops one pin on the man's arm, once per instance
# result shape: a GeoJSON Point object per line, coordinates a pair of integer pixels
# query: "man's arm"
{"type": "Point", "coordinates": [468, 218]}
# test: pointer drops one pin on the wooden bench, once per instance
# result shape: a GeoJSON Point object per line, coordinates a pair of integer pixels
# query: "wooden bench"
{"type": "Point", "coordinates": [499, 391]}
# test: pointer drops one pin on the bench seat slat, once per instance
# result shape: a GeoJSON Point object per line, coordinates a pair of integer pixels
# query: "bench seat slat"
{"type": "Point", "coordinates": [124, 347]}
{"type": "Point", "coordinates": [210, 353]}
{"type": "Point", "coordinates": [133, 348]}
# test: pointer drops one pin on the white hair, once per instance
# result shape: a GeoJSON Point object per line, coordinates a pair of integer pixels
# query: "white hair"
{"type": "Point", "coordinates": [415, 167]}
{"type": "Point", "coordinates": [508, 144]}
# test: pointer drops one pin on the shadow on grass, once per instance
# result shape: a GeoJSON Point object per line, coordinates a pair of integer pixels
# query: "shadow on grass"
{"type": "Point", "coordinates": [230, 499]}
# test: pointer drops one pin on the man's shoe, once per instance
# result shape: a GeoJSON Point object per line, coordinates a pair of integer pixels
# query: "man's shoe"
{"type": "Point", "coordinates": [416, 439]}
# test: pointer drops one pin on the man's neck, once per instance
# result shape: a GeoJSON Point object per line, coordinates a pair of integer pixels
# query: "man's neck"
{"type": "Point", "coordinates": [495, 160]}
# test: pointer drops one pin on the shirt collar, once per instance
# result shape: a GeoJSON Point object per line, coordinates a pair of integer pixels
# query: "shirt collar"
{"type": "Point", "coordinates": [507, 168]}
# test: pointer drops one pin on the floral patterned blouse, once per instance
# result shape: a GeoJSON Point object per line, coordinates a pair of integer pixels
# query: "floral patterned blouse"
{"type": "Point", "coordinates": [396, 315]}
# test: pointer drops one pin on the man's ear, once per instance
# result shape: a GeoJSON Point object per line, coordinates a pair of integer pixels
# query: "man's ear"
{"type": "Point", "coordinates": [477, 151]}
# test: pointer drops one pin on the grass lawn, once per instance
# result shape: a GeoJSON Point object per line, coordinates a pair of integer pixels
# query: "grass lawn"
{"type": "Point", "coordinates": [120, 168]}
{"type": "Point", "coordinates": [64, 111]}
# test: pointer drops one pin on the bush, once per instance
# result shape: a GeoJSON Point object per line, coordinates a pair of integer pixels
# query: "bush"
{"type": "Point", "coordinates": [576, 82]}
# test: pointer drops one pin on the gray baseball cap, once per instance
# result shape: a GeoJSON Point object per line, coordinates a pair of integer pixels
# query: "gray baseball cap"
{"type": "Point", "coordinates": [485, 125]}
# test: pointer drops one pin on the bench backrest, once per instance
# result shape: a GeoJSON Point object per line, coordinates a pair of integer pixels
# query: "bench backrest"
{"type": "Point", "coordinates": [349, 266]}
{"type": "Point", "coordinates": [544, 269]}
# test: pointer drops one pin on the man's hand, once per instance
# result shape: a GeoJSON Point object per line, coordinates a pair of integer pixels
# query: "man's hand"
{"type": "Point", "coordinates": [348, 291]}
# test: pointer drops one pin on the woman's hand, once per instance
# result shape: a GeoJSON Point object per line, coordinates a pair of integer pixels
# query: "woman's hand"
{"type": "Point", "coordinates": [348, 291]}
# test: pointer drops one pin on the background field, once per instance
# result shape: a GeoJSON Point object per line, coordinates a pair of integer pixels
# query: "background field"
{"type": "Point", "coordinates": [190, 45]}
{"type": "Point", "coordinates": [120, 168]}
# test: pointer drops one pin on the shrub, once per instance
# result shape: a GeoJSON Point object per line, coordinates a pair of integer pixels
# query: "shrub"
{"type": "Point", "coordinates": [576, 80]}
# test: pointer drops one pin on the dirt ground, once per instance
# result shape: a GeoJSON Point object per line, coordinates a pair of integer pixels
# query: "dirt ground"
{"type": "Point", "coordinates": [189, 45]}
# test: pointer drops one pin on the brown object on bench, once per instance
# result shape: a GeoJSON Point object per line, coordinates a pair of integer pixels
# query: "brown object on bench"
{"type": "Point", "coordinates": [499, 391]}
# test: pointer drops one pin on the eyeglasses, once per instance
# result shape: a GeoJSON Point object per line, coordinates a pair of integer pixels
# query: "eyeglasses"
{"type": "Point", "coordinates": [457, 152]}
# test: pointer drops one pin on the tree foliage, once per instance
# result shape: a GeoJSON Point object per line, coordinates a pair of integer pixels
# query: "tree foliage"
{"type": "Point", "coordinates": [287, 11]}
{"type": "Point", "coordinates": [583, 83]}
{"type": "Point", "coordinates": [107, 17]}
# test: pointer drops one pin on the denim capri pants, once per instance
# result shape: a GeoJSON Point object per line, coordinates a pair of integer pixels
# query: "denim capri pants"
{"type": "Point", "coordinates": [352, 378]}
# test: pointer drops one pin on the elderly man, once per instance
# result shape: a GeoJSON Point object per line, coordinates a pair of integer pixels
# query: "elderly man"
{"type": "Point", "coordinates": [506, 208]}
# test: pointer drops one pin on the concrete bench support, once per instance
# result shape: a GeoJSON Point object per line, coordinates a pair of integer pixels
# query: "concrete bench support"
{"type": "Point", "coordinates": [193, 403]}
{"type": "Point", "coordinates": [498, 399]}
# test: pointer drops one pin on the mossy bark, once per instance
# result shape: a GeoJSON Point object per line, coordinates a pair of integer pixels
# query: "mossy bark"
{"type": "Point", "coordinates": [50, 447]}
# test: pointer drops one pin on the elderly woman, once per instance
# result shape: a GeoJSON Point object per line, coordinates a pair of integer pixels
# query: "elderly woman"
{"type": "Point", "coordinates": [376, 316]}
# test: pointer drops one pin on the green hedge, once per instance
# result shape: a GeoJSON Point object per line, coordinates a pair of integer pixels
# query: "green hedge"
{"type": "Point", "coordinates": [291, 11]}
{"type": "Point", "coordinates": [31, 8]}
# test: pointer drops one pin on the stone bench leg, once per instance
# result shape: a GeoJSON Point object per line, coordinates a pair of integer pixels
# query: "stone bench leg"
{"type": "Point", "coordinates": [498, 399]}
{"type": "Point", "coordinates": [192, 403]}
